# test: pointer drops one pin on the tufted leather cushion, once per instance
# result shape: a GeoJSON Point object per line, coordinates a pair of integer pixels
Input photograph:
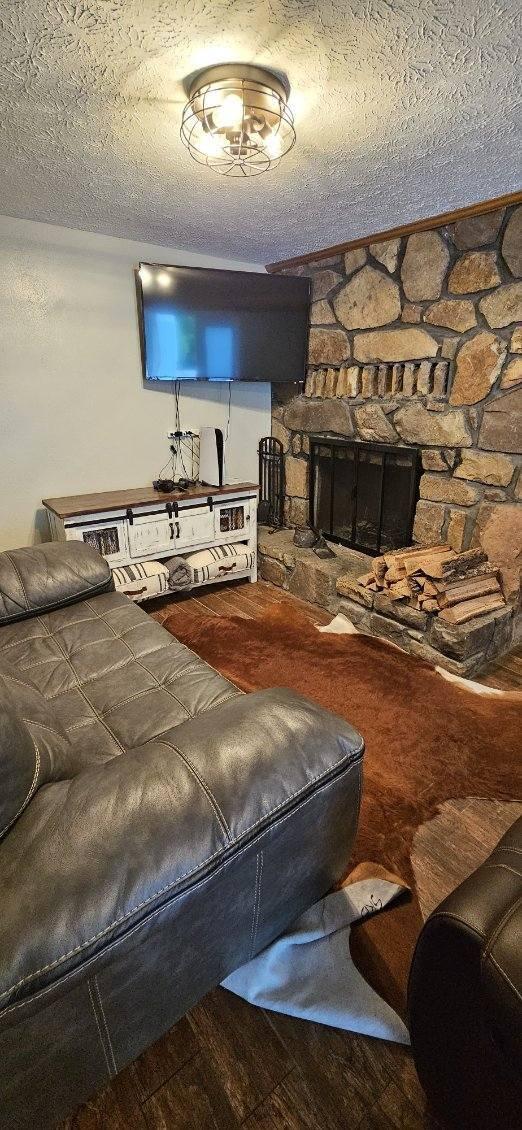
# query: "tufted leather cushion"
{"type": "Point", "coordinates": [112, 677]}
{"type": "Point", "coordinates": [48, 576]}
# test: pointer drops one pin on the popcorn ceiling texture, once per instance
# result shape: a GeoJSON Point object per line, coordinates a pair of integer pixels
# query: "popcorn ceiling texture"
{"type": "Point", "coordinates": [403, 110]}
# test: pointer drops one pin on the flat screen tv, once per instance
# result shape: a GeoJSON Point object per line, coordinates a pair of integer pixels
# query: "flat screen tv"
{"type": "Point", "coordinates": [210, 325]}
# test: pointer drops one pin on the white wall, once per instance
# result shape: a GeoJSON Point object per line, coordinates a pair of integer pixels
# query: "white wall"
{"type": "Point", "coordinates": [74, 415]}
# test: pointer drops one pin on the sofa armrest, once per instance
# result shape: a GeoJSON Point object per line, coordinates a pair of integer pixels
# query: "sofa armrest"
{"type": "Point", "coordinates": [43, 577]}
{"type": "Point", "coordinates": [465, 994]}
{"type": "Point", "coordinates": [143, 827]}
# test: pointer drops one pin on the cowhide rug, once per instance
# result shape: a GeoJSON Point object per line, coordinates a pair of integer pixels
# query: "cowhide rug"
{"type": "Point", "coordinates": [428, 740]}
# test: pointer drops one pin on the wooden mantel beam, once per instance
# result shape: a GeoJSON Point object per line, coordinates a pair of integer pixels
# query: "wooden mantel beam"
{"type": "Point", "coordinates": [403, 229]}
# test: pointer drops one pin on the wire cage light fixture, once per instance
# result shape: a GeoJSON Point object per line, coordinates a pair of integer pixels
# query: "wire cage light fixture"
{"type": "Point", "coordinates": [237, 120]}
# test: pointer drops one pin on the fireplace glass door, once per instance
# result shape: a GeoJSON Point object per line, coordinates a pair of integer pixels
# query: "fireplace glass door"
{"type": "Point", "coordinates": [363, 494]}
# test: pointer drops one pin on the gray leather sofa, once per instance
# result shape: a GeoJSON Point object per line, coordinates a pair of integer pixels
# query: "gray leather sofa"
{"type": "Point", "coordinates": [157, 826]}
{"type": "Point", "coordinates": [465, 997]}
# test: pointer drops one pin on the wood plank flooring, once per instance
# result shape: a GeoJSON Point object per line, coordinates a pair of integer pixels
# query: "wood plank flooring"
{"type": "Point", "coordinates": [226, 1064]}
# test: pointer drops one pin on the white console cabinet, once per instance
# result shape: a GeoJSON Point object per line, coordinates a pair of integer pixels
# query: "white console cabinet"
{"type": "Point", "coordinates": [142, 524]}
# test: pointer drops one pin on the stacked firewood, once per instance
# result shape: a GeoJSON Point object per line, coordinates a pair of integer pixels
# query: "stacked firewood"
{"type": "Point", "coordinates": [455, 586]}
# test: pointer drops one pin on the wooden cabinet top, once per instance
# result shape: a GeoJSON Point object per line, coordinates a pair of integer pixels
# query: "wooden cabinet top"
{"type": "Point", "coordinates": [70, 506]}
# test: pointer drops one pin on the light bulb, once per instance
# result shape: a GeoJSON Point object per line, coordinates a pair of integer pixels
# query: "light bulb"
{"type": "Point", "coordinates": [210, 145]}
{"type": "Point", "coordinates": [272, 146]}
{"type": "Point", "coordinates": [230, 114]}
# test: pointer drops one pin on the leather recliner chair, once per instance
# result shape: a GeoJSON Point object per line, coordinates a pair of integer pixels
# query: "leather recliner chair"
{"type": "Point", "coordinates": [465, 996]}
{"type": "Point", "coordinates": [157, 827]}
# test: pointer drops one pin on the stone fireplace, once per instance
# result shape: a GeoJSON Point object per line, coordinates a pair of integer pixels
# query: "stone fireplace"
{"type": "Point", "coordinates": [416, 349]}
{"type": "Point", "coordinates": [363, 495]}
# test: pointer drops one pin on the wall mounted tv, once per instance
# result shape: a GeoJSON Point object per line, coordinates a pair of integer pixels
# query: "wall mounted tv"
{"type": "Point", "coordinates": [211, 325]}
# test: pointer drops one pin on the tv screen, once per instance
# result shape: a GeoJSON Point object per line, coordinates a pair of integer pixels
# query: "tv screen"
{"type": "Point", "coordinates": [210, 325]}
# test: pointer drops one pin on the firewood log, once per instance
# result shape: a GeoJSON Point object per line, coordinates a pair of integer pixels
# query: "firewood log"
{"type": "Point", "coordinates": [467, 589]}
{"type": "Point", "coordinates": [379, 568]}
{"type": "Point", "coordinates": [468, 609]}
{"type": "Point", "coordinates": [415, 585]}
{"type": "Point", "coordinates": [400, 590]}
{"type": "Point", "coordinates": [431, 566]}
{"type": "Point", "coordinates": [429, 604]}
{"type": "Point", "coordinates": [400, 554]}
{"type": "Point", "coordinates": [462, 564]}
{"type": "Point", "coordinates": [395, 572]}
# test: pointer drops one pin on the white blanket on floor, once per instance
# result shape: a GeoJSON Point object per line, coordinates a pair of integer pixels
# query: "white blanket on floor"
{"type": "Point", "coordinates": [309, 972]}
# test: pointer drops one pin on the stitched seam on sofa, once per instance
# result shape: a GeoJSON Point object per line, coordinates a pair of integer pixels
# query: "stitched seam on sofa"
{"type": "Point", "coordinates": [128, 607]}
{"type": "Point", "coordinates": [359, 792]}
{"type": "Point", "coordinates": [144, 668]}
{"type": "Point", "coordinates": [92, 590]}
{"type": "Point", "coordinates": [74, 623]}
{"type": "Point", "coordinates": [102, 1041]}
{"type": "Point", "coordinates": [257, 902]}
{"type": "Point", "coordinates": [147, 690]}
{"type": "Point", "coordinates": [169, 886]}
{"type": "Point", "coordinates": [142, 655]}
{"type": "Point", "coordinates": [140, 625]}
{"type": "Point", "coordinates": [39, 663]}
{"type": "Point", "coordinates": [106, 1026]}
{"type": "Point", "coordinates": [79, 688]}
{"type": "Point", "coordinates": [91, 643]}
{"type": "Point", "coordinates": [501, 867]}
{"type": "Point", "coordinates": [205, 663]}
{"type": "Point", "coordinates": [79, 683]}
{"type": "Point", "coordinates": [203, 784]}
{"type": "Point", "coordinates": [506, 848]}
{"type": "Point", "coordinates": [79, 725]}
{"type": "Point", "coordinates": [444, 915]}
{"type": "Point", "coordinates": [15, 679]}
{"type": "Point", "coordinates": [254, 904]}
{"type": "Point", "coordinates": [504, 975]}
{"type": "Point", "coordinates": [92, 679]}
{"type": "Point", "coordinates": [116, 667]}
{"type": "Point", "coordinates": [219, 701]}
{"type": "Point", "coordinates": [22, 586]}
{"type": "Point", "coordinates": [259, 897]}
{"type": "Point", "coordinates": [22, 640]}
{"type": "Point", "coordinates": [43, 726]}
{"type": "Point", "coordinates": [173, 726]}
{"type": "Point", "coordinates": [32, 787]}
{"type": "Point", "coordinates": [500, 925]}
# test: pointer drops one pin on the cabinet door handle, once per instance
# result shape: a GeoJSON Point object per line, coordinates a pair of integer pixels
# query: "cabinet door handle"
{"type": "Point", "coordinates": [178, 535]}
{"type": "Point", "coordinates": [171, 524]}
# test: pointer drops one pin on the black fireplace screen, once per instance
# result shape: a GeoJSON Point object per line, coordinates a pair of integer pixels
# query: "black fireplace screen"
{"type": "Point", "coordinates": [363, 494]}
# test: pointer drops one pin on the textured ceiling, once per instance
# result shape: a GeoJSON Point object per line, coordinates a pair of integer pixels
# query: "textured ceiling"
{"type": "Point", "coordinates": [403, 110]}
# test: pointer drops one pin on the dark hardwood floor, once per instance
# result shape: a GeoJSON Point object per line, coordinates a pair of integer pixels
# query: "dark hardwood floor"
{"type": "Point", "coordinates": [227, 1064]}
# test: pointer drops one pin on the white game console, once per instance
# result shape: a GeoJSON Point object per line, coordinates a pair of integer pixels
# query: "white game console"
{"type": "Point", "coordinates": [212, 471]}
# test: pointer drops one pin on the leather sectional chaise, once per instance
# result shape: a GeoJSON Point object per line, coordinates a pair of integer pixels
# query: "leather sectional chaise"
{"type": "Point", "coordinates": [157, 826]}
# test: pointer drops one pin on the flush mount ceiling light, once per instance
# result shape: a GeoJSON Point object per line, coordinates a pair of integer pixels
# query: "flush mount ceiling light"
{"type": "Point", "coordinates": [237, 119]}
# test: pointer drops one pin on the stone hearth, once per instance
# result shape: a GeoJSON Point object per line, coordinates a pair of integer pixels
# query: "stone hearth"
{"type": "Point", "coordinates": [462, 649]}
{"type": "Point", "coordinates": [301, 572]}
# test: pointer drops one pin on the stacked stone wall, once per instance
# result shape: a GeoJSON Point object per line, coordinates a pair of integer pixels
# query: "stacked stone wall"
{"type": "Point", "coordinates": [418, 341]}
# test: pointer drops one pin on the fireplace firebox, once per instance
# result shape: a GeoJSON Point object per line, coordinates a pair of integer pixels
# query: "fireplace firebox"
{"type": "Point", "coordinates": [363, 495]}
